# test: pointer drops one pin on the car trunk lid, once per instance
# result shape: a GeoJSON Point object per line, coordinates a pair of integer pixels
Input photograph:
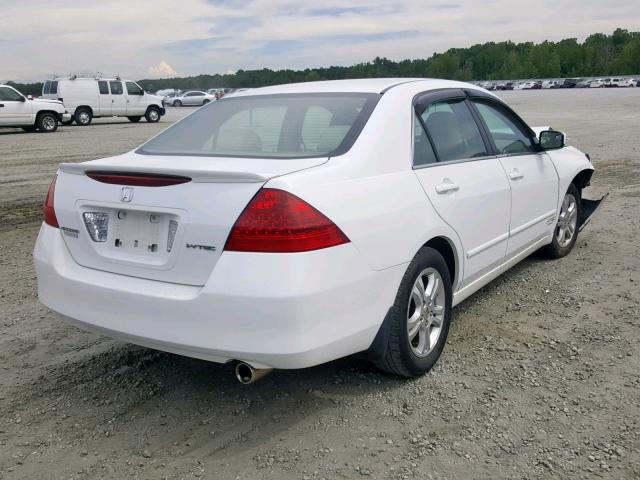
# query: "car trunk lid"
{"type": "Point", "coordinates": [119, 222]}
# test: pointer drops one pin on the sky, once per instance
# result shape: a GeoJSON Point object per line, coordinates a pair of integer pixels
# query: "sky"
{"type": "Point", "coordinates": [164, 38]}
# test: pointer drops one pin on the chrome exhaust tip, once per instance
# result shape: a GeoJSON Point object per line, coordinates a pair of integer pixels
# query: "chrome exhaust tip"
{"type": "Point", "coordinates": [247, 374]}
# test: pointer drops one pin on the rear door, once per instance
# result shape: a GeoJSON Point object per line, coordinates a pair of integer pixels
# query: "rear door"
{"type": "Point", "coordinates": [532, 176]}
{"type": "Point", "coordinates": [14, 108]}
{"type": "Point", "coordinates": [462, 178]}
{"type": "Point", "coordinates": [104, 98]}
{"type": "Point", "coordinates": [118, 98]}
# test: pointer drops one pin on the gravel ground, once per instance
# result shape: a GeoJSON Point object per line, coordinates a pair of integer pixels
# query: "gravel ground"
{"type": "Point", "coordinates": [540, 377]}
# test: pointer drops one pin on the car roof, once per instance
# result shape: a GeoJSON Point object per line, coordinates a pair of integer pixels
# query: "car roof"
{"type": "Point", "coordinates": [366, 85]}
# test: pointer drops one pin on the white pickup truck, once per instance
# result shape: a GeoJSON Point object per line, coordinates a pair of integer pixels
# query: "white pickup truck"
{"type": "Point", "coordinates": [16, 110]}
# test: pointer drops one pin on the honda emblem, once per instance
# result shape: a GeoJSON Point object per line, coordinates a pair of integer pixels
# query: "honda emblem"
{"type": "Point", "coordinates": [126, 194]}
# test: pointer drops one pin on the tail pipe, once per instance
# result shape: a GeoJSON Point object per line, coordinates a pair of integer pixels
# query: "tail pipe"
{"type": "Point", "coordinates": [247, 374]}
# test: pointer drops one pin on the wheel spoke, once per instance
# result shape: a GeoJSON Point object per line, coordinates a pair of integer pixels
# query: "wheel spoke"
{"type": "Point", "coordinates": [425, 339]}
{"type": "Point", "coordinates": [437, 321]}
{"type": "Point", "coordinates": [432, 287]}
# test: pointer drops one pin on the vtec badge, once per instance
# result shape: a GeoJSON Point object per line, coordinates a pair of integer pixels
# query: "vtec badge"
{"type": "Point", "coordinates": [208, 248]}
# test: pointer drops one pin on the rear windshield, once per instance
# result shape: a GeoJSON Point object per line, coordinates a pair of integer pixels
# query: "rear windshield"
{"type": "Point", "coordinates": [269, 126]}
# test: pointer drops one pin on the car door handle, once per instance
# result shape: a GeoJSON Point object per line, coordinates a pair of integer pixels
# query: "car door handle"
{"type": "Point", "coordinates": [1, 105]}
{"type": "Point", "coordinates": [516, 174]}
{"type": "Point", "coordinates": [446, 187]}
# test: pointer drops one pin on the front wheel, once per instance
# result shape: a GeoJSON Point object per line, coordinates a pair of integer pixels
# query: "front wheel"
{"type": "Point", "coordinates": [177, 103]}
{"type": "Point", "coordinates": [418, 322]}
{"type": "Point", "coordinates": [47, 122]}
{"type": "Point", "coordinates": [565, 233]}
{"type": "Point", "coordinates": [152, 115]}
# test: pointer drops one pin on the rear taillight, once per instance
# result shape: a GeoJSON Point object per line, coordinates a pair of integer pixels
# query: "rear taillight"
{"type": "Point", "coordinates": [279, 222]}
{"type": "Point", "coordinates": [49, 212]}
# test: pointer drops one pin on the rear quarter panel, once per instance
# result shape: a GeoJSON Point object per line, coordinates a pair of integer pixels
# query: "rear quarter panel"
{"type": "Point", "coordinates": [371, 192]}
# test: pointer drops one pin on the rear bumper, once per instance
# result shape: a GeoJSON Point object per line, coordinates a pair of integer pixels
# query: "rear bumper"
{"type": "Point", "coordinates": [270, 310]}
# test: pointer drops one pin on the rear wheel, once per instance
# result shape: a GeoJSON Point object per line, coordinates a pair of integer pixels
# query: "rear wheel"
{"type": "Point", "coordinates": [134, 119]}
{"type": "Point", "coordinates": [47, 122]}
{"type": "Point", "coordinates": [83, 116]}
{"type": "Point", "coordinates": [420, 317]}
{"type": "Point", "coordinates": [152, 115]}
{"type": "Point", "coordinates": [177, 103]}
{"type": "Point", "coordinates": [205, 101]}
{"type": "Point", "coordinates": [566, 232]}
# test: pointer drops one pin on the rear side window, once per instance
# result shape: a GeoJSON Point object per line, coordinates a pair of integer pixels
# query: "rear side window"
{"type": "Point", "coordinates": [269, 126]}
{"type": "Point", "coordinates": [505, 130]}
{"type": "Point", "coordinates": [54, 88]}
{"type": "Point", "coordinates": [46, 88]}
{"type": "Point", "coordinates": [103, 87]}
{"type": "Point", "coordinates": [116, 88]}
{"type": "Point", "coordinates": [423, 153]}
{"type": "Point", "coordinates": [454, 131]}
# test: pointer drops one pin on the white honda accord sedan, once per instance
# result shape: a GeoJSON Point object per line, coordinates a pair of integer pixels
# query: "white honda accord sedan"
{"type": "Point", "coordinates": [292, 225]}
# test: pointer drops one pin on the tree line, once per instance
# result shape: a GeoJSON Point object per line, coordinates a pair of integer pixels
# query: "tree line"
{"type": "Point", "coordinates": [599, 55]}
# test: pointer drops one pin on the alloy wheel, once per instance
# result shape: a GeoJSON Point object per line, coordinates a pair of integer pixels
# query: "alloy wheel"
{"type": "Point", "coordinates": [426, 311]}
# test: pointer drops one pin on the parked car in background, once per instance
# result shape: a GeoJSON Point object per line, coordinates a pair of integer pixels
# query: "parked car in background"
{"type": "Point", "coordinates": [166, 92]}
{"type": "Point", "coordinates": [583, 84]}
{"type": "Point", "coordinates": [597, 83]}
{"type": "Point", "coordinates": [550, 84]}
{"type": "Point", "coordinates": [568, 83]}
{"type": "Point", "coordinates": [181, 244]}
{"type": "Point", "coordinates": [626, 82]}
{"type": "Point", "coordinates": [89, 98]}
{"type": "Point", "coordinates": [16, 110]}
{"type": "Point", "coordinates": [191, 98]}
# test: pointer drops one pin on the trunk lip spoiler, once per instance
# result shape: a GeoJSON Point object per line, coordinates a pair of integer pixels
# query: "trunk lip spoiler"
{"type": "Point", "coordinates": [588, 219]}
{"type": "Point", "coordinates": [198, 176]}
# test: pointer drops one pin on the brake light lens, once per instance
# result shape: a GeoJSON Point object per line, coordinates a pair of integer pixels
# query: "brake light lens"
{"type": "Point", "coordinates": [137, 179]}
{"type": "Point", "coordinates": [276, 221]}
{"type": "Point", "coordinates": [49, 212]}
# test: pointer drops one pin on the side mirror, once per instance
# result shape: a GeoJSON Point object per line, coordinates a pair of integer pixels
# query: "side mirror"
{"type": "Point", "coordinates": [551, 140]}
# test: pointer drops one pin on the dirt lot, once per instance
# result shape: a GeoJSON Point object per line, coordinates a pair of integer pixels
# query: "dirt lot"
{"type": "Point", "coordinates": [540, 379]}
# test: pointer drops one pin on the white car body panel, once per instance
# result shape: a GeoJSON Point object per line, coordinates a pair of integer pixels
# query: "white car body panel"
{"type": "Point", "coordinates": [298, 309]}
{"type": "Point", "coordinates": [84, 92]}
{"type": "Point", "coordinates": [17, 114]}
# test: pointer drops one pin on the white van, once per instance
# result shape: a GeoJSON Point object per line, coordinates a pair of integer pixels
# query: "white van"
{"type": "Point", "coordinates": [88, 98]}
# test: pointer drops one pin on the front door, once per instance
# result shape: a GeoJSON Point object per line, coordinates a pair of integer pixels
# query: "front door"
{"type": "Point", "coordinates": [135, 100]}
{"type": "Point", "coordinates": [118, 98]}
{"type": "Point", "coordinates": [531, 174]}
{"type": "Point", "coordinates": [14, 108]}
{"type": "Point", "coordinates": [464, 182]}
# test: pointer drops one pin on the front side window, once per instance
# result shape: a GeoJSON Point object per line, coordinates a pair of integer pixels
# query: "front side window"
{"type": "Point", "coordinates": [269, 126]}
{"type": "Point", "coordinates": [504, 129]}
{"type": "Point", "coordinates": [10, 95]}
{"type": "Point", "coordinates": [116, 88]}
{"type": "Point", "coordinates": [46, 88]}
{"type": "Point", "coordinates": [453, 130]}
{"type": "Point", "coordinates": [134, 89]}
{"type": "Point", "coordinates": [103, 87]}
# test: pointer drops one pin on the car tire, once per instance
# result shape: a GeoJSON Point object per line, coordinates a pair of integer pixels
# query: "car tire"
{"type": "Point", "coordinates": [568, 223]}
{"type": "Point", "coordinates": [152, 115]}
{"type": "Point", "coordinates": [205, 101]}
{"type": "Point", "coordinates": [47, 122]}
{"type": "Point", "coordinates": [83, 116]}
{"type": "Point", "coordinates": [410, 353]}
{"type": "Point", "coordinates": [134, 119]}
{"type": "Point", "coordinates": [177, 103]}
